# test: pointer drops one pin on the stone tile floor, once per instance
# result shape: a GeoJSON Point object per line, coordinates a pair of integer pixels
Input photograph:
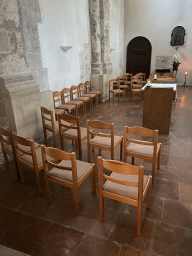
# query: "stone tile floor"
{"type": "Point", "coordinates": [32, 226]}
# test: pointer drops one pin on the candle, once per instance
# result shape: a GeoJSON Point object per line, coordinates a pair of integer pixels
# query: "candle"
{"type": "Point", "coordinates": [155, 77]}
{"type": "Point", "coordinates": [186, 73]}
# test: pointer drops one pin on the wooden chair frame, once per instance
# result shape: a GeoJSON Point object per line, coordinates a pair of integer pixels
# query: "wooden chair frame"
{"type": "Point", "coordinates": [89, 91]}
{"type": "Point", "coordinates": [61, 155]}
{"type": "Point", "coordinates": [83, 89]}
{"type": "Point", "coordinates": [115, 83]}
{"type": "Point", "coordinates": [67, 95]}
{"type": "Point", "coordinates": [27, 147]}
{"type": "Point", "coordinates": [84, 95]}
{"type": "Point", "coordinates": [76, 95]}
{"type": "Point", "coordinates": [58, 98]}
{"type": "Point", "coordinates": [142, 131]}
{"type": "Point", "coordinates": [123, 83]}
{"type": "Point", "coordinates": [47, 115]}
{"type": "Point", "coordinates": [74, 125]}
{"type": "Point", "coordinates": [6, 138]}
{"type": "Point", "coordinates": [103, 126]}
{"type": "Point", "coordinates": [136, 86]}
{"type": "Point", "coordinates": [126, 169]}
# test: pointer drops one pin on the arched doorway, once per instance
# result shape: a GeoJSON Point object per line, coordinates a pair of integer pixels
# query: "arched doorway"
{"type": "Point", "coordinates": [139, 56]}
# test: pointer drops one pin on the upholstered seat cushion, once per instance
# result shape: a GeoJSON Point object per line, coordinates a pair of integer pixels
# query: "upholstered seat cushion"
{"type": "Point", "coordinates": [104, 141]}
{"type": "Point", "coordinates": [73, 132]}
{"type": "Point", "coordinates": [82, 168]}
{"type": "Point", "coordinates": [141, 149]}
{"type": "Point", "coordinates": [127, 191]}
{"type": "Point", "coordinates": [28, 158]}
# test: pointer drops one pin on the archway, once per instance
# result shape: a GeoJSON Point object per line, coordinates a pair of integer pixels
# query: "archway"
{"type": "Point", "coordinates": [139, 56]}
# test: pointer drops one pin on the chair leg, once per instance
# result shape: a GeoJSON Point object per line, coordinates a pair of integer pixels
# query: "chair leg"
{"type": "Point", "coordinates": [121, 150]}
{"type": "Point", "coordinates": [22, 180]}
{"type": "Point", "coordinates": [45, 135]}
{"type": "Point", "coordinates": [38, 182]}
{"type": "Point", "coordinates": [6, 161]}
{"type": "Point", "coordinates": [101, 207]}
{"type": "Point", "coordinates": [133, 161]}
{"type": "Point", "coordinates": [76, 199]}
{"type": "Point", "coordinates": [149, 194]}
{"type": "Point", "coordinates": [80, 151]}
{"type": "Point", "coordinates": [54, 139]}
{"type": "Point", "coordinates": [89, 154]}
{"type": "Point", "coordinates": [139, 217]}
{"type": "Point", "coordinates": [99, 152]}
{"type": "Point", "coordinates": [101, 97]}
{"type": "Point", "coordinates": [113, 98]}
{"type": "Point", "coordinates": [94, 181]}
{"type": "Point", "coordinates": [158, 158]}
{"type": "Point", "coordinates": [153, 172]}
{"type": "Point", "coordinates": [112, 154]}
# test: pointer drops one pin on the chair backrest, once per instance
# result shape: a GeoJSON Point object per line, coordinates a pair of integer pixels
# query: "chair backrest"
{"type": "Point", "coordinates": [57, 98]}
{"type": "Point", "coordinates": [113, 83]}
{"type": "Point", "coordinates": [128, 75]}
{"type": "Point", "coordinates": [74, 92]}
{"type": "Point", "coordinates": [47, 119]}
{"type": "Point", "coordinates": [136, 81]}
{"type": "Point", "coordinates": [122, 78]}
{"type": "Point", "coordinates": [88, 86]}
{"type": "Point", "coordinates": [71, 122]}
{"type": "Point", "coordinates": [121, 168]}
{"type": "Point", "coordinates": [6, 140]}
{"type": "Point", "coordinates": [60, 155]}
{"type": "Point", "coordinates": [66, 95]}
{"type": "Point", "coordinates": [24, 146]}
{"type": "Point", "coordinates": [143, 132]}
{"type": "Point", "coordinates": [142, 76]}
{"type": "Point", "coordinates": [100, 125]}
{"type": "Point", "coordinates": [82, 89]}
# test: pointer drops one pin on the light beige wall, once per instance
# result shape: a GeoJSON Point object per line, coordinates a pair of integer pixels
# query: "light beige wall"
{"type": "Point", "coordinates": [155, 20]}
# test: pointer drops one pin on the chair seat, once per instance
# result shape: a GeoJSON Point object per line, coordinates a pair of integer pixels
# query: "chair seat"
{"type": "Point", "coordinates": [74, 102]}
{"type": "Point", "coordinates": [104, 141]}
{"type": "Point", "coordinates": [67, 106]}
{"type": "Point", "coordinates": [97, 92]}
{"type": "Point", "coordinates": [49, 126]}
{"type": "Point", "coordinates": [124, 86]}
{"type": "Point", "coordinates": [28, 158]}
{"type": "Point", "coordinates": [82, 168]}
{"type": "Point", "coordinates": [117, 91]}
{"type": "Point", "coordinates": [122, 190]}
{"type": "Point", "coordinates": [141, 149]}
{"type": "Point", "coordinates": [83, 98]}
{"type": "Point", "coordinates": [90, 95]}
{"type": "Point", "coordinates": [73, 132]}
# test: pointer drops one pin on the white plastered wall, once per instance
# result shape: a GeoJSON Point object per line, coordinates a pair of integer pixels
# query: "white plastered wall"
{"type": "Point", "coordinates": [155, 20]}
{"type": "Point", "coordinates": [64, 23]}
{"type": "Point", "coordinates": [117, 36]}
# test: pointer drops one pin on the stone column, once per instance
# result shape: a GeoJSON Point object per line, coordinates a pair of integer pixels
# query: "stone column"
{"type": "Point", "coordinates": [99, 72]}
{"type": "Point", "coordinates": [105, 36]}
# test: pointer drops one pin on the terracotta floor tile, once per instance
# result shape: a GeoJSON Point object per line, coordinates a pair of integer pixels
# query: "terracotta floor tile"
{"type": "Point", "coordinates": [166, 188]}
{"type": "Point", "coordinates": [15, 195]}
{"type": "Point", "coordinates": [185, 193]}
{"type": "Point", "coordinates": [10, 252]}
{"type": "Point", "coordinates": [170, 240]}
{"type": "Point", "coordinates": [58, 240]}
{"type": "Point", "coordinates": [128, 251]}
{"type": "Point", "coordinates": [95, 246]}
{"type": "Point", "coordinates": [7, 218]}
{"type": "Point", "coordinates": [124, 232]}
{"type": "Point", "coordinates": [24, 233]}
{"type": "Point", "coordinates": [177, 213]}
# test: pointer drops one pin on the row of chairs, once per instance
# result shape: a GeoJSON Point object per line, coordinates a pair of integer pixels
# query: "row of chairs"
{"type": "Point", "coordinates": [69, 128]}
{"type": "Point", "coordinates": [126, 82]}
{"type": "Point", "coordinates": [126, 183]}
{"type": "Point", "coordinates": [75, 98]}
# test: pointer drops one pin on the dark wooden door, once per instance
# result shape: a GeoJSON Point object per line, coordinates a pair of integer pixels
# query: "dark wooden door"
{"type": "Point", "coordinates": [139, 56]}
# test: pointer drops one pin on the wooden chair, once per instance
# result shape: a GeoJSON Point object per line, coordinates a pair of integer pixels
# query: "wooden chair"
{"type": "Point", "coordinates": [142, 76]}
{"type": "Point", "coordinates": [49, 124]}
{"type": "Point", "coordinates": [83, 94]}
{"type": "Point", "coordinates": [148, 150]}
{"type": "Point", "coordinates": [89, 90]}
{"type": "Point", "coordinates": [83, 91]}
{"type": "Point", "coordinates": [126, 184]}
{"type": "Point", "coordinates": [59, 104]}
{"type": "Point", "coordinates": [115, 83]}
{"type": "Point", "coordinates": [7, 146]}
{"type": "Point", "coordinates": [68, 172]}
{"type": "Point", "coordinates": [136, 86]}
{"type": "Point", "coordinates": [68, 99]}
{"type": "Point", "coordinates": [100, 140]}
{"type": "Point", "coordinates": [129, 77]}
{"type": "Point", "coordinates": [123, 83]}
{"type": "Point", "coordinates": [74, 131]}
{"type": "Point", "coordinates": [28, 153]}
{"type": "Point", "coordinates": [77, 95]}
